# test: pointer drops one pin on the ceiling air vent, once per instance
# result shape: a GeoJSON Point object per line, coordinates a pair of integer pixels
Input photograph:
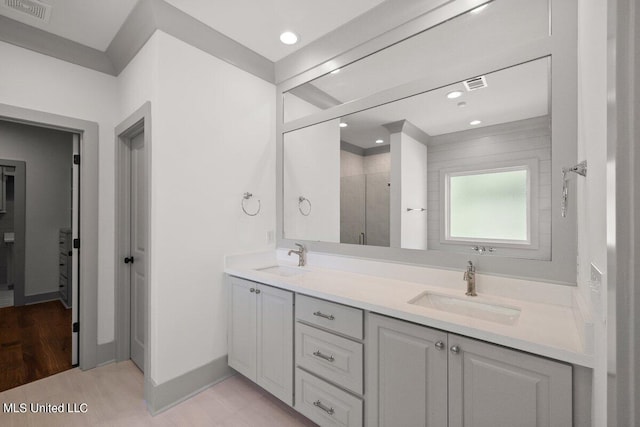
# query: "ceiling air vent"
{"type": "Point", "coordinates": [33, 8]}
{"type": "Point", "coordinates": [475, 83]}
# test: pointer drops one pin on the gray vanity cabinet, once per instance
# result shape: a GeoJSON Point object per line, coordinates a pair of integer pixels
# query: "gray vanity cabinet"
{"type": "Point", "coordinates": [406, 374]}
{"type": "Point", "coordinates": [494, 386]}
{"type": "Point", "coordinates": [415, 373]}
{"type": "Point", "coordinates": [260, 335]}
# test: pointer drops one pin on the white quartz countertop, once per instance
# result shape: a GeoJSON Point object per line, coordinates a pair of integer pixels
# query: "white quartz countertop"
{"type": "Point", "coordinates": [544, 329]}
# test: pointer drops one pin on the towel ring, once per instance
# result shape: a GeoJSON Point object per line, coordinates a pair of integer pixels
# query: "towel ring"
{"type": "Point", "coordinates": [301, 200]}
{"type": "Point", "coordinates": [246, 197]}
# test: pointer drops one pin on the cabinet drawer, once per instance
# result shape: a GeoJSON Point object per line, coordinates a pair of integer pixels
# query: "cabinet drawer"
{"type": "Point", "coordinates": [325, 404]}
{"type": "Point", "coordinates": [336, 317]}
{"type": "Point", "coordinates": [332, 357]}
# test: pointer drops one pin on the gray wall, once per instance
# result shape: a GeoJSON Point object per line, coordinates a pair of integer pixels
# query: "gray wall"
{"type": "Point", "coordinates": [48, 155]}
{"type": "Point", "coordinates": [524, 139]}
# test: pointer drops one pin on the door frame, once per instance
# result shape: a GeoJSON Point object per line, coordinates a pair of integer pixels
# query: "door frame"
{"type": "Point", "coordinates": [139, 121]}
{"type": "Point", "coordinates": [88, 226]}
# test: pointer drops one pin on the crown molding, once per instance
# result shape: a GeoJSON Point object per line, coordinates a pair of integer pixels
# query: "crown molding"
{"type": "Point", "coordinates": [145, 18]}
{"type": "Point", "coordinates": [28, 37]}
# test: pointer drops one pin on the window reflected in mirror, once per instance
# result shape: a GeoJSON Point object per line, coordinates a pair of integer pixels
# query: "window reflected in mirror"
{"type": "Point", "coordinates": [488, 206]}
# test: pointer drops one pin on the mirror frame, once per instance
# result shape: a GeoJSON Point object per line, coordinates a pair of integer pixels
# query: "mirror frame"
{"type": "Point", "coordinates": [561, 45]}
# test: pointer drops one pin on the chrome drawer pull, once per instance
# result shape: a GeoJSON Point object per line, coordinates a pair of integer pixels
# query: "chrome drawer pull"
{"type": "Point", "coordinates": [319, 404]}
{"type": "Point", "coordinates": [323, 356]}
{"type": "Point", "coordinates": [326, 316]}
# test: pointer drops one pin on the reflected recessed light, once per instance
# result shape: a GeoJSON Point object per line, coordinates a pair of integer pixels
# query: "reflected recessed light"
{"type": "Point", "coordinates": [462, 104]}
{"type": "Point", "coordinates": [288, 37]}
{"type": "Point", "coordinates": [475, 122]}
{"type": "Point", "coordinates": [343, 125]}
{"type": "Point", "coordinates": [336, 71]}
{"type": "Point", "coordinates": [379, 141]}
{"type": "Point", "coordinates": [479, 8]}
{"type": "Point", "coordinates": [455, 94]}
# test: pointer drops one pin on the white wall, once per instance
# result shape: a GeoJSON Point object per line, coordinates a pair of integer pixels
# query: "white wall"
{"type": "Point", "coordinates": [592, 191]}
{"type": "Point", "coordinates": [295, 107]}
{"type": "Point", "coordinates": [413, 194]}
{"type": "Point", "coordinates": [312, 169]}
{"type": "Point", "coordinates": [213, 130]}
{"type": "Point", "coordinates": [48, 157]}
{"type": "Point", "coordinates": [39, 82]}
{"type": "Point", "coordinates": [213, 138]}
{"type": "Point", "coordinates": [408, 190]}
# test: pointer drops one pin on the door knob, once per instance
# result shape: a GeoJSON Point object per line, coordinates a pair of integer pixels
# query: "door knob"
{"type": "Point", "coordinates": [455, 349]}
{"type": "Point", "coordinates": [439, 345]}
{"type": "Point", "coordinates": [128, 260]}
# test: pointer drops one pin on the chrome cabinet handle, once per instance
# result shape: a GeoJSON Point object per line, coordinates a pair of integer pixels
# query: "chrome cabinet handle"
{"type": "Point", "coordinates": [252, 290]}
{"type": "Point", "coordinates": [455, 349]}
{"type": "Point", "coordinates": [326, 316]}
{"type": "Point", "coordinates": [317, 353]}
{"type": "Point", "coordinates": [326, 409]}
{"type": "Point", "coordinates": [439, 345]}
{"type": "Point", "coordinates": [258, 291]}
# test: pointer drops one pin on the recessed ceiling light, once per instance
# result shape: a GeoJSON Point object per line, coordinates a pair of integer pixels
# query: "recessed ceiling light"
{"type": "Point", "coordinates": [289, 38]}
{"type": "Point", "coordinates": [475, 122]}
{"type": "Point", "coordinates": [379, 141]}
{"type": "Point", "coordinates": [343, 125]}
{"type": "Point", "coordinates": [455, 94]}
{"type": "Point", "coordinates": [479, 9]}
{"type": "Point", "coordinates": [462, 104]}
{"type": "Point", "coordinates": [336, 71]}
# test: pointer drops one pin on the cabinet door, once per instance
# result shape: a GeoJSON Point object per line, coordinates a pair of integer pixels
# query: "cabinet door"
{"type": "Point", "coordinates": [406, 374]}
{"type": "Point", "coordinates": [493, 386]}
{"type": "Point", "coordinates": [275, 342]}
{"type": "Point", "coordinates": [241, 335]}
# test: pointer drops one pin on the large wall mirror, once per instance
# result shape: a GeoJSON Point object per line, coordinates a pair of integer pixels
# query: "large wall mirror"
{"type": "Point", "coordinates": [446, 144]}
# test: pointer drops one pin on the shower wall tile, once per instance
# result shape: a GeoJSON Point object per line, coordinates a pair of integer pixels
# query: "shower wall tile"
{"type": "Point", "coordinates": [351, 164]}
{"type": "Point", "coordinates": [377, 163]}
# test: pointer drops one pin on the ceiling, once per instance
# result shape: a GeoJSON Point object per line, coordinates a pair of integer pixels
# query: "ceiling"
{"type": "Point", "coordinates": [516, 93]}
{"type": "Point", "coordinates": [256, 24]}
{"type": "Point", "coordinates": [89, 22]}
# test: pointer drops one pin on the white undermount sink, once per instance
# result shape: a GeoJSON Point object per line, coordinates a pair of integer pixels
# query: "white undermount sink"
{"type": "Point", "coordinates": [498, 313]}
{"type": "Point", "coordinates": [283, 270]}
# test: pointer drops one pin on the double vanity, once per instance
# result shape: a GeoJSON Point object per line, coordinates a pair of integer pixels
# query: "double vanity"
{"type": "Point", "coordinates": [403, 345]}
{"type": "Point", "coordinates": [412, 150]}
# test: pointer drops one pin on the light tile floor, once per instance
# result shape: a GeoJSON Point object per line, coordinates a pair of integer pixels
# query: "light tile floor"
{"type": "Point", "coordinates": [113, 394]}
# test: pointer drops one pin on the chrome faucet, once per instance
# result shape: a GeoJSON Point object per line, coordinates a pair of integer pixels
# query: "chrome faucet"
{"type": "Point", "coordinates": [302, 257]}
{"type": "Point", "coordinates": [470, 277]}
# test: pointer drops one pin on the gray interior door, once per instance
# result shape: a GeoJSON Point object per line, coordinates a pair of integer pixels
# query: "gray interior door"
{"type": "Point", "coordinates": [138, 250]}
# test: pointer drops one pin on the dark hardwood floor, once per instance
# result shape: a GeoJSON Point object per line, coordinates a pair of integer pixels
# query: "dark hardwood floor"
{"type": "Point", "coordinates": [35, 342]}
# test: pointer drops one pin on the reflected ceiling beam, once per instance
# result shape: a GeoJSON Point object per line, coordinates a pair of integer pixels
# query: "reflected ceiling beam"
{"type": "Point", "coordinates": [314, 96]}
{"type": "Point", "coordinates": [408, 128]}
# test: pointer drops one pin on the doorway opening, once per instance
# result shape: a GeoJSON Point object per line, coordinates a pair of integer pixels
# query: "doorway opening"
{"type": "Point", "coordinates": [39, 283]}
{"type": "Point", "coordinates": [132, 238]}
